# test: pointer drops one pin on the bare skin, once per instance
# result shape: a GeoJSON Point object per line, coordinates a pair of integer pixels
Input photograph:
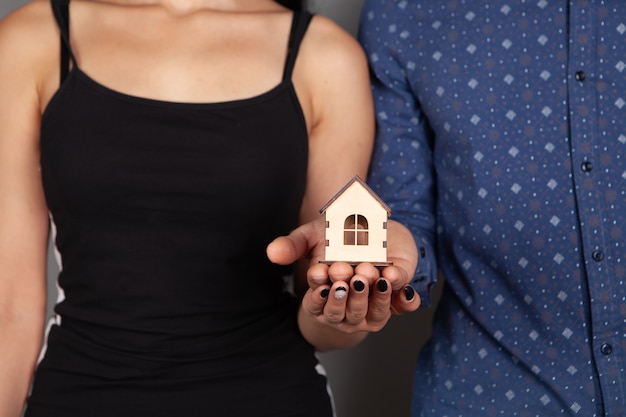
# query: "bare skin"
{"type": "Point", "coordinates": [360, 312]}
{"type": "Point", "coordinates": [185, 51]}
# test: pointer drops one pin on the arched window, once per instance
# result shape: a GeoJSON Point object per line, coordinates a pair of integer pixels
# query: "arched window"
{"type": "Point", "coordinates": [355, 230]}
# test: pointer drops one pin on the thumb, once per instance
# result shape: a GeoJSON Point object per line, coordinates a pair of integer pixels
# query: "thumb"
{"type": "Point", "coordinates": [285, 250]}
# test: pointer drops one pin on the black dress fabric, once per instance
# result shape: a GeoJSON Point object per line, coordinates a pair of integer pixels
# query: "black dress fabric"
{"type": "Point", "coordinates": [161, 212]}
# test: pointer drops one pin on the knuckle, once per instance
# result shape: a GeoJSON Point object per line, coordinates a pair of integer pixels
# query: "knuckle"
{"type": "Point", "coordinates": [334, 316]}
{"type": "Point", "coordinates": [355, 317]}
{"type": "Point", "coordinates": [380, 310]}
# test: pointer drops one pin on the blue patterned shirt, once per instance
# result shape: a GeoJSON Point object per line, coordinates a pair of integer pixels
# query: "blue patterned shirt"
{"type": "Point", "coordinates": [501, 144]}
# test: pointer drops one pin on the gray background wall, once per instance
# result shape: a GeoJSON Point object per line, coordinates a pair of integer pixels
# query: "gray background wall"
{"type": "Point", "coordinates": [373, 379]}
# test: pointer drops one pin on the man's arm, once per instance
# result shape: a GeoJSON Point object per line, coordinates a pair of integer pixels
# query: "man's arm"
{"type": "Point", "coordinates": [401, 170]}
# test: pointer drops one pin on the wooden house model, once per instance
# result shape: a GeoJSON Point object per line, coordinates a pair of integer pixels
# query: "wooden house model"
{"type": "Point", "coordinates": [356, 225]}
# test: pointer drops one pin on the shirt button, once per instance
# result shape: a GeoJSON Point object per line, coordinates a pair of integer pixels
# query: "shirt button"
{"type": "Point", "coordinates": [586, 166]}
{"type": "Point", "coordinates": [597, 255]}
{"type": "Point", "coordinates": [580, 76]}
{"type": "Point", "coordinates": [606, 349]}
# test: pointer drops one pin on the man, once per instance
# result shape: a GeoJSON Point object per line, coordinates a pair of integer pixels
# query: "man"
{"type": "Point", "coordinates": [501, 143]}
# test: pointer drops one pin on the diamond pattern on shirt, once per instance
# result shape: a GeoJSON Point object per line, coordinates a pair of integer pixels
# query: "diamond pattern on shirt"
{"type": "Point", "coordinates": [520, 109]}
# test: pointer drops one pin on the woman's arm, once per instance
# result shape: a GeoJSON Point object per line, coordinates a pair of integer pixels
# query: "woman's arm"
{"type": "Point", "coordinates": [23, 213]}
{"type": "Point", "coordinates": [332, 81]}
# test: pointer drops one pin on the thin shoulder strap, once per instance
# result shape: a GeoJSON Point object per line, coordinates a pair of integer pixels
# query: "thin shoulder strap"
{"type": "Point", "coordinates": [61, 10]}
{"type": "Point", "coordinates": [299, 25]}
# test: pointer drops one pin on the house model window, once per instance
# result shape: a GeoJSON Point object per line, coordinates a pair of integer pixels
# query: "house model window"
{"type": "Point", "coordinates": [356, 226]}
{"type": "Point", "coordinates": [355, 230]}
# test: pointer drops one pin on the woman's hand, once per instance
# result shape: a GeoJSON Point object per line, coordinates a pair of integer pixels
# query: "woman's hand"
{"type": "Point", "coordinates": [350, 300]}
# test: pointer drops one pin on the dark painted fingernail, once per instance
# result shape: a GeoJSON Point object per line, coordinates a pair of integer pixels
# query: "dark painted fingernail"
{"type": "Point", "coordinates": [382, 285]}
{"type": "Point", "coordinates": [324, 293]}
{"type": "Point", "coordinates": [359, 286]}
{"type": "Point", "coordinates": [409, 293]}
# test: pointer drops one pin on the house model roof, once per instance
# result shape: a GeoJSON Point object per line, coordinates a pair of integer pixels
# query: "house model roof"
{"type": "Point", "coordinates": [358, 180]}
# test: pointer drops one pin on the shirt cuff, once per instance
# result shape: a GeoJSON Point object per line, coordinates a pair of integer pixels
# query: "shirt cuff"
{"type": "Point", "coordinates": [425, 276]}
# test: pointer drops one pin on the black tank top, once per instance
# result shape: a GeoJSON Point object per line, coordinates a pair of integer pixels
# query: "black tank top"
{"type": "Point", "coordinates": [161, 213]}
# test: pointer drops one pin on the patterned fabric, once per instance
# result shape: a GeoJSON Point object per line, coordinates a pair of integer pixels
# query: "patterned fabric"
{"type": "Point", "coordinates": [502, 133]}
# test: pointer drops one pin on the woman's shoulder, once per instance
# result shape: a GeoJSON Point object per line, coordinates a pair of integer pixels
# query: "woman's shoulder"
{"type": "Point", "coordinates": [29, 51]}
{"type": "Point", "coordinates": [325, 37]}
{"type": "Point", "coordinates": [28, 30]}
{"type": "Point", "coordinates": [330, 65]}
{"type": "Point", "coordinates": [28, 16]}
{"type": "Point", "coordinates": [329, 52]}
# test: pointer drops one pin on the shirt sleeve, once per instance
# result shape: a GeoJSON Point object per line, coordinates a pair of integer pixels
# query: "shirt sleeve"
{"type": "Point", "coordinates": [401, 171]}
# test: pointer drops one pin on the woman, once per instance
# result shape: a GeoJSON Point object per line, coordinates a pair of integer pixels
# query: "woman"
{"type": "Point", "coordinates": [167, 142]}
